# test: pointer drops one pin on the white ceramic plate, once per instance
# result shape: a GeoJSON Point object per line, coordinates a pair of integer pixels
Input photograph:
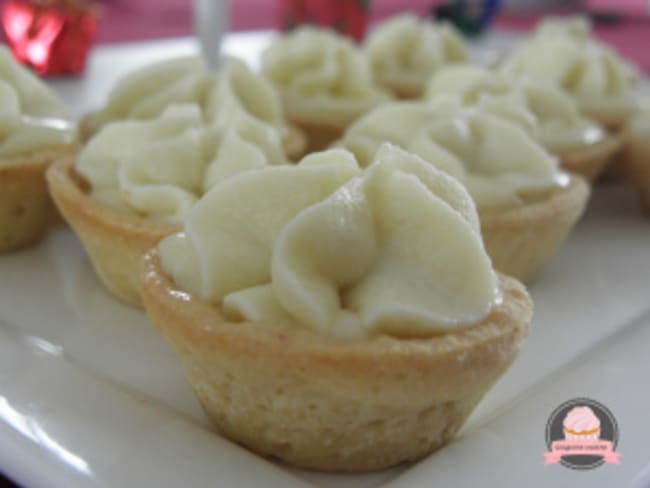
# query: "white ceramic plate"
{"type": "Point", "coordinates": [91, 396]}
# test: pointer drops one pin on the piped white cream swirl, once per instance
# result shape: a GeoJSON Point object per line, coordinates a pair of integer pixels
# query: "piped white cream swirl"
{"type": "Point", "coordinates": [394, 249]}
{"type": "Point", "coordinates": [467, 143]}
{"type": "Point", "coordinates": [601, 82]}
{"type": "Point", "coordinates": [405, 51]}
{"type": "Point", "coordinates": [32, 118]}
{"type": "Point", "coordinates": [322, 76]}
{"type": "Point", "coordinates": [235, 96]}
{"type": "Point", "coordinates": [159, 168]}
{"type": "Point", "coordinates": [540, 107]}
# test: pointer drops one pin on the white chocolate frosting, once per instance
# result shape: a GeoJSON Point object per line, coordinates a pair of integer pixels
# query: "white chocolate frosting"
{"type": "Point", "coordinates": [233, 97]}
{"type": "Point", "coordinates": [246, 101]}
{"type": "Point", "coordinates": [322, 76]}
{"type": "Point", "coordinates": [343, 252]}
{"type": "Point", "coordinates": [467, 143]}
{"type": "Point", "coordinates": [159, 168]}
{"type": "Point", "coordinates": [600, 81]}
{"type": "Point", "coordinates": [146, 92]}
{"type": "Point", "coordinates": [405, 51]}
{"type": "Point", "coordinates": [540, 107]}
{"type": "Point", "coordinates": [32, 119]}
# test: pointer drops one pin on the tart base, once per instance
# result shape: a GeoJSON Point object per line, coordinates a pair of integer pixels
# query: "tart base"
{"type": "Point", "coordinates": [590, 161]}
{"type": "Point", "coordinates": [115, 241]}
{"type": "Point", "coordinates": [323, 403]}
{"type": "Point", "coordinates": [636, 161]}
{"type": "Point", "coordinates": [26, 210]}
{"type": "Point", "coordinates": [521, 239]}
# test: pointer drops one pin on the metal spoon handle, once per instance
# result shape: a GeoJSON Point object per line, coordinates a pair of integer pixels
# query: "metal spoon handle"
{"type": "Point", "coordinates": [211, 21]}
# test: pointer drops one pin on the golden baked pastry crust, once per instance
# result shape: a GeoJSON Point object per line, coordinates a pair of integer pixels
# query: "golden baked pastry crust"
{"type": "Point", "coordinates": [520, 239]}
{"type": "Point", "coordinates": [26, 210]}
{"type": "Point", "coordinates": [590, 161]}
{"type": "Point", "coordinates": [318, 402]}
{"type": "Point", "coordinates": [636, 160]}
{"type": "Point", "coordinates": [115, 241]}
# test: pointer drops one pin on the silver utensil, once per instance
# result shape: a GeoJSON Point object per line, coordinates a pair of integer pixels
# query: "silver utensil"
{"type": "Point", "coordinates": [211, 22]}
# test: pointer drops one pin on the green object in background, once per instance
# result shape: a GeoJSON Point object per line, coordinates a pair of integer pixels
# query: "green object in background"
{"type": "Point", "coordinates": [471, 17]}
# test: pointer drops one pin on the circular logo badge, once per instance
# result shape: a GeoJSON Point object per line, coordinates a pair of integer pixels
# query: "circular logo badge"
{"type": "Point", "coordinates": [582, 434]}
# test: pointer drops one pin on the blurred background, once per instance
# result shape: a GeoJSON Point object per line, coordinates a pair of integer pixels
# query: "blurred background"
{"type": "Point", "coordinates": [623, 23]}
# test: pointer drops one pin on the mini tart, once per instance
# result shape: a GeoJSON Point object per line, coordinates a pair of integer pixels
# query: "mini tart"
{"type": "Point", "coordinates": [635, 158]}
{"type": "Point", "coordinates": [590, 161]}
{"type": "Point", "coordinates": [114, 240]}
{"type": "Point", "coordinates": [26, 210]}
{"type": "Point", "coordinates": [295, 141]}
{"type": "Point", "coordinates": [520, 239]}
{"type": "Point", "coordinates": [328, 404]}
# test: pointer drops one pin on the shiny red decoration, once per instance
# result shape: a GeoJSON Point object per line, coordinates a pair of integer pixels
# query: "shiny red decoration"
{"type": "Point", "coordinates": [349, 17]}
{"type": "Point", "coordinates": [53, 37]}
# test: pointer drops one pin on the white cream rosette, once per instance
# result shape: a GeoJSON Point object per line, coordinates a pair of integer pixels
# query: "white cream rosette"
{"type": "Point", "coordinates": [32, 119]}
{"type": "Point", "coordinates": [322, 77]}
{"type": "Point", "coordinates": [393, 249]}
{"type": "Point", "coordinates": [159, 168]}
{"type": "Point", "coordinates": [540, 107]}
{"type": "Point", "coordinates": [405, 51]}
{"type": "Point", "coordinates": [600, 81]}
{"type": "Point", "coordinates": [234, 96]}
{"type": "Point", "coordinates": [467, 143]}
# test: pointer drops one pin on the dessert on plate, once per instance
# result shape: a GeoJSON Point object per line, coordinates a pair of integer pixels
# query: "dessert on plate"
{"type": "Point", "coordinates": [235, 92]}
{"type": "Point", "coordinates": [34, 131]}
{"type": "Point", "coordinates": [324, 82]}
{"type": "Point", "coordinates": [323, 317]}
{"type": "Point", "coordinates": [405, 51]}
{"type": "Point", "coordinates": [540, 107]}
{"type": "Point", "coordinates": [526, 204]}
{"type": "Point", "coordinates": [134, 180]}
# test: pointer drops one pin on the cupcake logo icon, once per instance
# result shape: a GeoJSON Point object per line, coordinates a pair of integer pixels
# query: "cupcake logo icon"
{"type": "Point", "coordinates": [582, 434]}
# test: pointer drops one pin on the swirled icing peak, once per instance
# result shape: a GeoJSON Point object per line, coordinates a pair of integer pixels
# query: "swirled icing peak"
{"type": "Point", "coordinates": [405, 51]}
{"type": "Point", "coordinates": [321, 76]}
{"type": "Point", "coordinates": [32, 118]}
{"type": "Point", "coordinates": [393, 249]}
{"type": "Point", "coordinates": [540, 107]}
{"type": "Point", "coordinates": [235, 96]}
{"type": "Point", "coordinates": [467, 143]}
{"type": "Point", "coordinates": [159, 168]}
{"type": "Point", "coordinates": [601, 82]}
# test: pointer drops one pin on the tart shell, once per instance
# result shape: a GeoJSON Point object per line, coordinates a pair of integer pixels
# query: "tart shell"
{"type": "Point", "coordinates": [324, 403]}
{"type": "Point", "coordinates": [590, 161]}
{"type": "Point", "coordinates": [636, 160]}
{"type": "Point", "coordinates": [114, 240]}
{"type": "Point", "coordinates": [26, 210]}
{"type": "Point", "coordinates": [520, 239]}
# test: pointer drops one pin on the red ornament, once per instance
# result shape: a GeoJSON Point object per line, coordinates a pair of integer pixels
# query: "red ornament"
{"type": "Point", "coordinates": [51, 36]}
{"type": "Point", "coordinates": [349, 17]}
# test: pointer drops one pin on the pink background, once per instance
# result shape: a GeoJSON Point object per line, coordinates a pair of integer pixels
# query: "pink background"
{"type": "Point", "coordinates": [130, 20]}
